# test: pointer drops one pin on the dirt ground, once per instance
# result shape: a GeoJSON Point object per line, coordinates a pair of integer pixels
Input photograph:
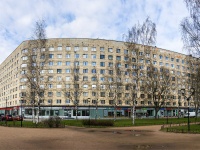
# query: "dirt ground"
{"type": "Point", "coordinates": [74, 138]}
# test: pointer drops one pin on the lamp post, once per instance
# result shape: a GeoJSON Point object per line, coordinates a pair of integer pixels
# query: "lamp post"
{"type": "Point", "coordinates": [21, 113]}
{"type": "Point", "coordinates": [155, 94]}
{"type": "Point", "coordinates": [192, 90]}
{"type": "Point", "coordinates": [179, 99]}
{"type": "Point", "coordinates": [6, 111]}
{"type": "Point", "coordinates": [96, 109]}
{"type": "Point", "coordinates": [89, 110]}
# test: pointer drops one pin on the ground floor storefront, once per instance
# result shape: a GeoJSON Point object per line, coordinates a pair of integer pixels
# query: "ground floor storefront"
{"type": "Point", "coordinates": [93, 112]}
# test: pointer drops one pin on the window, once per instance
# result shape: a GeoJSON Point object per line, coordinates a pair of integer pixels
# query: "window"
{"type": "Point", "coordinates": [177, 60]}
{"type": "Point", "coordinates": [68, 70]}
{"type": "Point", "coordinates": [125, 51]}
{"type": "Point", "coordinates": [85, 48]}
{"type": "Point", "coordinates": [102, 56]}
{"type": "Point", "coordinates": [125, 58]}
{"type": "Point", "coordinates": [24, 58]}
{"type": "Point", "coordinates": [50, 78]}
{"type": "Point", "coordinates": [51, 63]}
{"type": "Point", "coordinates": [59, 63]}
{"type": "Point", "coordinates": [85, 63]}
{"type": "Point", "coordinates": [67, 101]}
{"type": "Point", "coordinates": [172, 65]}
{"type": "Point", "coordinates": [110, 64]}
{"type": "Point", "coordinates": [76, 48]}
{"type": "Point", "coordinates": [85, 70]}
{"type": "Point", "coordinates": [51, 48]}
{"type": "Point", "coordinates": [110, 57]}
{"type": "Point", "coordinates": [59, 78]}
{"type": "Point", "coordinates": [58, 94]}
{"type": "Point", "coordinates": [93, 63]}
{"type": "Point", "coordinates": [102, 71]}
{"type": "Point", "coordinates": [58, 101]}
{"type": "Point", "coordinates": [166, 58]}
{"type": "Point", "coordinates": [110, 72]}
{"type": "Point", "coordinates": [126, 66]}
{"type": "Point", "coordinates": [59, 70]}
{"type": "Point", "coordinates": [140, 53]}
{"type": "Point", "coordinates": [59, 86]}
{"type": "Point", "coordinates": [50, 86]}
{"type": "Point", "coordinates": [68, 48]}
{"type": "Point", "coordinates": [76, 63]}
{"type": "Point", "coordinates": [85, 78]}
{"type": "Point", "coordinates": [161, 56]}
{"type": "Point", "coordinates": [172, 59]}
{"type": "Point", "coordinates": [67, 78]}
{"type": "Point", "coordinates": [118, 57]}
{"type": "Point", "coordinates": [102, 94]}
{"type": "Point", "coordinates": [102, 64]}
{"type": "Point", "coordinates": [94, 93]}
{"type": "Point", "coordinates": [24, 50]}
{"type": "Point", "coordinates": [110, 50]}
{"type": "Point", "coordinates": [59, 48]}
{"type": "Point", "coordinates": [85, 86]}
{"type": "Point", "coordinates": [183, 61]}
{"type": "Point", "coordinates": [94, 87]}
{"type": "Point", "coordinates": [59, 55]}
{"type": "Point", "coordinates": [161, 63]}
{"type": "Point", "coordinates": [85, 94]}
{"type": "Point", "coordinates": [166, 64]}
{"type": "Point", "coordinates": [141, 60]}
{"type": "Point", "coordinates": [93, 56]}
{"type": "Point", "coordinates": [67, 55]}
{"type": "Point", "coordinates": [102, 79]}
{"type": "Point", "coordinates": [102, 101]}
{"type": "Point", "coordinates": [154, 55]}
{"type": "Point", "coordinates": [85, 55]}
{"type": "Point", "coordinates": [93, 49]}
{"type": "Point", "coordinates": [76, 56]}
{"type": "Point", "coordinates": [51, 55]}
{"type": "Point", "coordinates": [67, 63]}
{"type": "Point", "coordinates": [111, 102]}
{"type": "Point", "coordinates": [50, 101]}
{"type": "Point", "coordinates": [102, 49]}
{"type": "Point", "coordinates": [50, 71]}
{"type": "Point", "coordinates": [94, 71]}
{"type": "Point", "coordinates": [94, 79]}
{"type": "Point", "coordinates": [117, 50]}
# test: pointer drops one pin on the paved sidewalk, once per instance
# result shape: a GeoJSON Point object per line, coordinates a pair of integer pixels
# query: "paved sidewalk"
{"type": "Point", "coordinates": [76, 138]}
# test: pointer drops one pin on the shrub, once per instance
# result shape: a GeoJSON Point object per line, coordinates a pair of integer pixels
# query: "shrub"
{"type": "Point", "coordinates": [53, 122]}
{"type": "Point", "coordinates": [98, 122]}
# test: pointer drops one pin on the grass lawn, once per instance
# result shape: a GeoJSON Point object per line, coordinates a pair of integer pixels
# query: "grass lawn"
{"type": "Point", "coordinates": [194, 128]}
{"type": "Point", "coordinates": [117, 123]}
{"type": "Point", "coordinates": [138, 122]}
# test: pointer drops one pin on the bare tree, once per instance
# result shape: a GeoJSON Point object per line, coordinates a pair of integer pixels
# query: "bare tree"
{"type": "Point", "coordinates": [34, 67]}
{"type": "Point", "coordinates": [159, 86]}
{"type": "Point", "coordinates": [193, 81]}
{"type": "Point", "coordinates": [145, 35]}
{"type": "Point", "coordinates": [190, 27]}
{"type": "Point", "coordinates": [114, 85]}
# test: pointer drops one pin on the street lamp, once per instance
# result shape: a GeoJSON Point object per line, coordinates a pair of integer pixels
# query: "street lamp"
{"type": "Point", "coordinates": [21, 113]}
{"type": "Point", "coordinates": [192, 90]}
{"type": "Point", "coordinates": [89, 110]}
{"type": "Point", "coordinates": [155, 94]}
{"type": "Point", "coordinates": [6, 111]}
{"type": "Point", "coordinates": [96, 108]}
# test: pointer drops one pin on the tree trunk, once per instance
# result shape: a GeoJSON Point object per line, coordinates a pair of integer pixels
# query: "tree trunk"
{"type": "Point", "coordinates": [33, 113]}
{"type": "Point", "coordinates": [133, 114]}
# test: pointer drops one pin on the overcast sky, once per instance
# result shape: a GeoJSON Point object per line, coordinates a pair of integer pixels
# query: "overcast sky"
{"type": "Point", "coordinates": [104, 19]}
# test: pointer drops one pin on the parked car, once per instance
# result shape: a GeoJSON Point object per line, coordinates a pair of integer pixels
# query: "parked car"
{"type": "Point", "coordinates": [7, 118]}
{"type": "Point", "coordinates": [18, 118]}
{"type": "Point", "coordinates": [191, 114]}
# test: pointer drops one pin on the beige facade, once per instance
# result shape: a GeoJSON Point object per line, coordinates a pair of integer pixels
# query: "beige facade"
{"type": "Point", "coordinates": [92, 56]}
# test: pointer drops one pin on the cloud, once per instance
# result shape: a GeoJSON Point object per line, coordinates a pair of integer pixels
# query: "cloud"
{"type": "Point", "coordinates": [107, 19]}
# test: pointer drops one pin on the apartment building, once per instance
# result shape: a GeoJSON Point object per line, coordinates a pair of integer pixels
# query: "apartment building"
{"type": "Point", "coordinates": [90, 59]}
